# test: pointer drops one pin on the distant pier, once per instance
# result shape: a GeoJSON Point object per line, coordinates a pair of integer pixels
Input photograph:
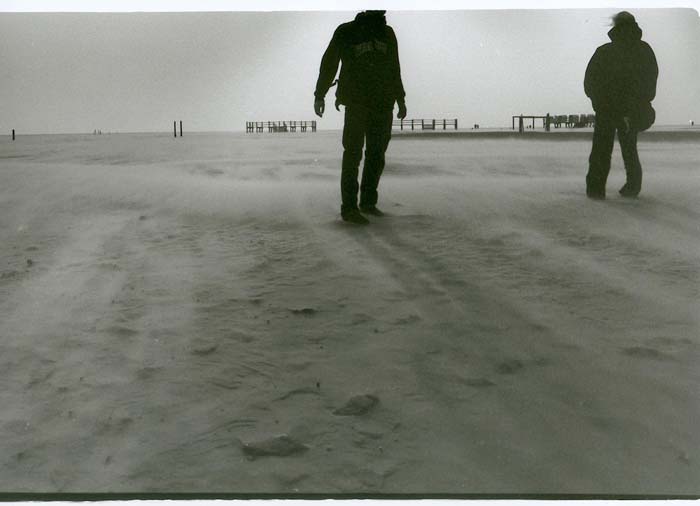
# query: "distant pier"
{"type": "Point", "coordinates": [559, 120]}
{"type": "Point", "coordinates": [279, 126]}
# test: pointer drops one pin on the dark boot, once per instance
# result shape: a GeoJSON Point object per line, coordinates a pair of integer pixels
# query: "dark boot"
{"type": "Point", "coordinates": [371, 210]}
{"type": "Point", "coordinates": [594, 188]}
{"type": "Point", "coordinates": [354, 216]}
{"type": "Point", "coordinates": [629, 191]}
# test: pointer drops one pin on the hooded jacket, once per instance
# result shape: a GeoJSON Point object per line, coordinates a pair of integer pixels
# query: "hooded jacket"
{"type": "Point", "coordinates": [621, 76]}
{"type": "Point", "coordinates": [370, 73]}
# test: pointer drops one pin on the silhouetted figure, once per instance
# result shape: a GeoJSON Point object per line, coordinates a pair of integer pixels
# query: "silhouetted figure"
{"type": "Point", "coordinates": [621, 82]}
{"type": "Point", "coordinates": [368, 85]}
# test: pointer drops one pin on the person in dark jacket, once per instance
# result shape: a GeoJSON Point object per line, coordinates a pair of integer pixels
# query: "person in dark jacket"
{"type": "Point", "coordinates": [621, 83]}
{"type": "Point", "coordinates": [368, 86]}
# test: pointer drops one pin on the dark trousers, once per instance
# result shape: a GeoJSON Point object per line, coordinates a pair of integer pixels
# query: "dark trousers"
{"type": "Point", "coordinates": [601, 153]}
{"type": "Point", "coordinates": [374, 125]}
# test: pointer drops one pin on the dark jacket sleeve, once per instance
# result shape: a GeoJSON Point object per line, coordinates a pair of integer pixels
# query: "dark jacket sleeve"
{"type": "Point", "coordinates": [398, 83]}
{"type": "Point", "coordinates": [591, 81]}
{"type": "Point", "coordinates": [329, 66]}
{"type": "Point", "coordinates": [650, 74]}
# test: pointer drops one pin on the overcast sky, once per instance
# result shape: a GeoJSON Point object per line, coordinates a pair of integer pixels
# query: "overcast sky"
{"type": "Point", "coordinates": [76, 72]}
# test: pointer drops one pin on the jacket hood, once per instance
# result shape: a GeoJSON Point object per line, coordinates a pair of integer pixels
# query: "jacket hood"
{"type": "Point", "coordinates": [373, 19]}
{"type": "Point", "coordinates": [625, 32]}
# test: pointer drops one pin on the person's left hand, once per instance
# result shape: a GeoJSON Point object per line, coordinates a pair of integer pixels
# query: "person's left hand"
{"type": "Point", "coordinates": [402, 110]}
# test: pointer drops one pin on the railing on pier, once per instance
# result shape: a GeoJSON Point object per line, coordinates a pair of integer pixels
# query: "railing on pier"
{"type": "Point", "coordinates": [425, 124]}
{"type": "Point", "coordinates": [573, 120]}
{"type": "Point", "coordinates": [279, 126]}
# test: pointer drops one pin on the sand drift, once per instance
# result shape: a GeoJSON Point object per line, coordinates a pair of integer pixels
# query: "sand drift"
{"type": "Point", "coordinates": [191, 315]}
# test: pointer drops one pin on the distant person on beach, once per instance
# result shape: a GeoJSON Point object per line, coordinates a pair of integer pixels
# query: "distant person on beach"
{"type": "Point", "coordinates": [368, 86]}
{"type": "Point", "coordinates": [621, 82]}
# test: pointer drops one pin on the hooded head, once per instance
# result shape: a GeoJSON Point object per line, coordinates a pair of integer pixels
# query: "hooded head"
{"type": "Point", "coordinates": [374, 20]}
{"type": "Point", "coordinates": [625, 28]}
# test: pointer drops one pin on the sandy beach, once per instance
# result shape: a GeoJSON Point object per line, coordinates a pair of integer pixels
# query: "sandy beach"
{"type": "Point", "coordinates": [191, 315]}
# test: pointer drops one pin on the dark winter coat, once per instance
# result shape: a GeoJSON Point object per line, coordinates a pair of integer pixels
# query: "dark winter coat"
{"type": "Point", "coordinates": [370, 73]}
{"type": "Point", "coordinates": [621, 76]}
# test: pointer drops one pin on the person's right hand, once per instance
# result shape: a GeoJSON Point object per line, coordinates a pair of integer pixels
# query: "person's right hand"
{"type": "Point", "coordinates": [402, 110]}
{"type": "Point", "coordinates": [319, 107]}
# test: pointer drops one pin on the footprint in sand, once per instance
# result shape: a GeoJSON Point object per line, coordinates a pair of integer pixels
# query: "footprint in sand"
{"type": "Point", "coordinates": [205, 350]}
{"type": "Point", "coordinates": [147, 372]}
{"type": "Point", "coordinates": [307, 311]}
{"type": "Point", "coordinates": [644, 352]}
{"type": "Point", "coordinates": [413, 318]}
{"type": "Point", "coordinates": [113, 427]}
{"type": "Point", "coordinates": [278, 446]}
{"type": "Point", "coordinates": [9, 274]}
{"type": "Point", "coordinates": [41, 379]}
{"type": "Point", "coordinates": [683, 457]}
{"type": "Point", "coordinates": [357, 405]}
{"type": "Point", "coordinates": [290, 482]}
{"type": "Point", "coordinates": [231, 385]}
{"type": "Point", "coordinates": [479, 383]}
{"type": "Point", "coordinates": [122, 331]}
{"type": "Point", "coordinates": [109, 267]}
{"type": "Point", "coordinates": [509, 366]}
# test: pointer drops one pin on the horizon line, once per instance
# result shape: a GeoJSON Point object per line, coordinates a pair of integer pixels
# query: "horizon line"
{"type": "Point", "coordinates": [166, 132]}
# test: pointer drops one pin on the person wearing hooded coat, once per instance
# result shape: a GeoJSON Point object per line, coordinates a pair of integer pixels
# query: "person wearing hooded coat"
{"type": "Point", "coordinates": [368, 86]}
{"type": "Point", "coordinates": [620, 80]}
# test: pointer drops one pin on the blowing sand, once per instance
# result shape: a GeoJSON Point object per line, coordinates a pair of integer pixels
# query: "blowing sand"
{"type": "Point", "coordinates": [190, 315]}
